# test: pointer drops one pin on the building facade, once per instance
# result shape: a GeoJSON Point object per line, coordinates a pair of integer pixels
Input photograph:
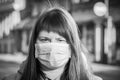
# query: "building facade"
{"type": "Point", "coordinates": [103, 46]}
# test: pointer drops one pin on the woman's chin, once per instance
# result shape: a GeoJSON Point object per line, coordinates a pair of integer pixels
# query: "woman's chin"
{"type": "Point", "coordinates": [46, 66]}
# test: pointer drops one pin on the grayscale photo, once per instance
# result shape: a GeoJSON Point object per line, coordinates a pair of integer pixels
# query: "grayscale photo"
{"type": "Point", "coordinates": [59, 39]}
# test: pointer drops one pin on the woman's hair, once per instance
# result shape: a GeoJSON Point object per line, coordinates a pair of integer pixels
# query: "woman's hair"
{"type": "Point", "coordinates": [60, 21]}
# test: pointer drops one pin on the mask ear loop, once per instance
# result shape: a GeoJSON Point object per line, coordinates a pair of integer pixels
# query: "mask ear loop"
{"type": "Point", "coordinates": [70, 51]}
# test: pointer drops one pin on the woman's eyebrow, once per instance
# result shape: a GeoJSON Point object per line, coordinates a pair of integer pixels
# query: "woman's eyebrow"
{"type": "Point", "coordinates": [61, 38]}
{"type": "Point", "coordinates": [42, 36]}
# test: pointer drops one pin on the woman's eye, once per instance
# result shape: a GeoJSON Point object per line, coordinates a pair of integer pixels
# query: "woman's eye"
{"type": "Point", "coordinates": [61, 40]}
{"type": "Point", "coordinates": [44, 40]}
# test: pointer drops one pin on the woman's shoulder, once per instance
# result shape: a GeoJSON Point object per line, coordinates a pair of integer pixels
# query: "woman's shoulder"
{"type": "Point", "coordinates": [15, 76]}
{"type": "Point", "coordinates": [96, 78]}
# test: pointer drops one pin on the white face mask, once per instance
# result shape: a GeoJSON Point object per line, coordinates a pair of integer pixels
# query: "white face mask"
{"type": "Point", "coordinates": [53, 55]}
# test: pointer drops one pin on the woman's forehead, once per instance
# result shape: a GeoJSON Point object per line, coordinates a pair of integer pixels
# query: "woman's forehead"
{"type": "Point", "coordinates": [45, 33]}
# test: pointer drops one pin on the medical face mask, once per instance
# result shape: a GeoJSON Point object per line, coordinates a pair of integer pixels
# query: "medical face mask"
{"type": "Point", "coordinates": [53, 54]}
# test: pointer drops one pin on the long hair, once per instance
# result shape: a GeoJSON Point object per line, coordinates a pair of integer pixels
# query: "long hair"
{"type": "Point", "coordinates": [60, 21]}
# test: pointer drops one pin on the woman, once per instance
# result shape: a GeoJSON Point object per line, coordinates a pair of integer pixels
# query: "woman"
{"type": "Point", "coordinates": [55, 50]}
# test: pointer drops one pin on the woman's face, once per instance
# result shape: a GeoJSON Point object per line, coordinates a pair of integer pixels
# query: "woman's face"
{"type": "Point", "coordinates": [52, 50]}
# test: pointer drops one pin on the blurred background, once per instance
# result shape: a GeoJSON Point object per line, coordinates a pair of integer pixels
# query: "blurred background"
{"type": "Point", "coordinates": [98, 22]}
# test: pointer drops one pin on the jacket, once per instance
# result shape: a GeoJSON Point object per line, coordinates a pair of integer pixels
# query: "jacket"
{"type": "Point", "coordinates": [17, 75]}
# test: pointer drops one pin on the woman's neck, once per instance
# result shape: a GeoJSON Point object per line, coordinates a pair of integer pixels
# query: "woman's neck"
{"type": "Point", "coordinates": [54, 74]}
